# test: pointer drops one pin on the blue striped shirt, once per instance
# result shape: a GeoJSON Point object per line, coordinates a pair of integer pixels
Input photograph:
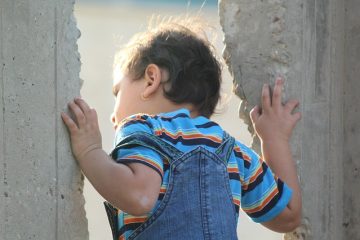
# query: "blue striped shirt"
{"type": "Point", "coordinates": [255, 189]}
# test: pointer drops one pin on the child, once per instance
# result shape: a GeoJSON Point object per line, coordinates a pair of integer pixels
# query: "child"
{"type": "Point", "coordinates": [174, 173]}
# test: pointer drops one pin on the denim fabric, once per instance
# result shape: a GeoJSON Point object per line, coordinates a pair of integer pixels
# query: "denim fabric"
{"type": "Point", "coordinates": [198, 201]}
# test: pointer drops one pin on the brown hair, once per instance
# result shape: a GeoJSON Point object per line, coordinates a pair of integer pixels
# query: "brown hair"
{"type": "Point", "coordinates": [182, 48]}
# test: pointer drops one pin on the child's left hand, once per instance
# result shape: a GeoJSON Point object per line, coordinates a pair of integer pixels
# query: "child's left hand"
{"type": "Point", "coordinates": [274, 121]}
{"type": "Point", "coordinates": [84, 133]}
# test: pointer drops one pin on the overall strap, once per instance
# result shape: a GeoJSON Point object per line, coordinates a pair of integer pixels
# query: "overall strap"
{"type": "Point", "coordinates": [226, 147]}
{"type": "Point", "coordinates": [150, 141]}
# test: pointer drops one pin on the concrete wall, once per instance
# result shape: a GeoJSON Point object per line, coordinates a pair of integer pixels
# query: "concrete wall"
{"type": "Point", "coordinates": [351, 113]}
{"type": "Point", "coordinates": [41, 185]}
{"type": "Point", "coordinates": [315, 45]}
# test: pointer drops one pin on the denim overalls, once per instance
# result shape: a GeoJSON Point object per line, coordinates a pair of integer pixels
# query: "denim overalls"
{"type": "Point", "coordinates": [198, 202]}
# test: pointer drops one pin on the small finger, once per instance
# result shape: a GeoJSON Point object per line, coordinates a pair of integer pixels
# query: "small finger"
{"type": "Point", "coordinates": [93, 111]}
{"type": "Point", "coordinates": [297, 116]}
{"type": "Point", "coordinates": [93, 116]}
{"type": "Point", "coordinates": [265, 98]}
{"type": "Point", "coordinates": [254, 113]}
{"type": "Point", "coordinates": [291, 105]}
{"type": "Point", "coordinates": [70, 124]}
{"type": "Point", "coordinates": [276, 98]}
{"type": "Point", "coordinates": [79, 115]}
{"type": "Point", "coordinates": [83, 105]}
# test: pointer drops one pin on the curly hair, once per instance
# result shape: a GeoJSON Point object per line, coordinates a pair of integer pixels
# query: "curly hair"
{"type": "Point", "coordinates": [181, 47]}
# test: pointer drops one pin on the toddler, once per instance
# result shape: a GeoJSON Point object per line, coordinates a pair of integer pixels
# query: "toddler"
{"type": "Point", "coordinates": [174, 173]}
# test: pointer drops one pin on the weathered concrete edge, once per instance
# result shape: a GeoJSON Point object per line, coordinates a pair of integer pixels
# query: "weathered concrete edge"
{"type": "Point", "coordinates": [72, 222]}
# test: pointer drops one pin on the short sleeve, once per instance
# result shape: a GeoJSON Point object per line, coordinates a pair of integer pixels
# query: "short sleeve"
{"type": "Point", "coordinates": [263, 194]}
{"type": "Point", "coordinates": [140, 154]}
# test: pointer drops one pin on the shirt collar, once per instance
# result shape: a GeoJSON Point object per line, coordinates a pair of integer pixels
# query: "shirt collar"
{"type": "Point", "coordinates": [176, 112]}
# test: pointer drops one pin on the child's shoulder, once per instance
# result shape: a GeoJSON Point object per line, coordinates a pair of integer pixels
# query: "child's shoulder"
{"type": "Point", "coordinates": [181, 115]}
{"type": "Point", "coordinates": [135, 123]}
{"type": "Point", "coordinates": [173, 122]}
{"type": "Point", "coordinates": [240, 146]}
{"type": "Point", "coordinates": [176, 123]}
{"type": "Point", "coordinates": [151, 122]}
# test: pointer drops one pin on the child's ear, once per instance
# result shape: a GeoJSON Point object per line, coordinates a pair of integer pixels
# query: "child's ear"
{"type": "Point", "coordinates": [152, 80]}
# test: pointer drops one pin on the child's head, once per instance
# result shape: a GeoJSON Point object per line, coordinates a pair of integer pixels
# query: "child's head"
{"type": "Point", "coordinates": [170, 65]}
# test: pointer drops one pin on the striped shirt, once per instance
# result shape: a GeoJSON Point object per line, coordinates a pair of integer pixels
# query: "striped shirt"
{"type": "Point", "coordinates": [255, 189]}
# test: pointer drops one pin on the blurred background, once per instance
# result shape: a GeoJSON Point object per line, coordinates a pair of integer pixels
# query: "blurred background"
{"type": "Point", "coordinates": [105, 26]}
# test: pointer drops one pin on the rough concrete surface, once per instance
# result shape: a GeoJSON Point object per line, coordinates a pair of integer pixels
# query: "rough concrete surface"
{"type": "Point", "coordinates": [350, 159]}
{"type": "Point", "coordinates": [41, 185]}
{"type": "Point", "coordinates": [315, 46]}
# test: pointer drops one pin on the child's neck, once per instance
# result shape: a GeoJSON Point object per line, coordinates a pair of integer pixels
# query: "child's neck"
{"type": "Point", "coordinates": [193, 112]}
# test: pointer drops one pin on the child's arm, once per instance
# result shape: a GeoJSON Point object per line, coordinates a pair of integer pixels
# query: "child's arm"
{"type": "Point", "coordinates": [133, 188]}
{"type": "Point", "coordinates": [274, 124]}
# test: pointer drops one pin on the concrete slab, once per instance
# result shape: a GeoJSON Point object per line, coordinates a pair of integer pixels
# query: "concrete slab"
{"type": "Point", "coordinates": [41, 187]}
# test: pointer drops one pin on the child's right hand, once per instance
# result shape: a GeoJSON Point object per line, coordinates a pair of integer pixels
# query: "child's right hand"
{"type": "Point", "coordinates": [84, 131]}
{"type": "Point", "coordinates": [274, 121]}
